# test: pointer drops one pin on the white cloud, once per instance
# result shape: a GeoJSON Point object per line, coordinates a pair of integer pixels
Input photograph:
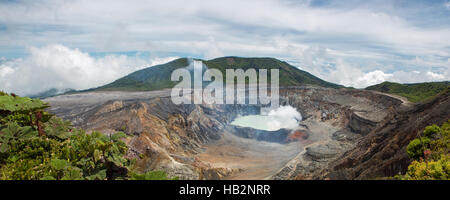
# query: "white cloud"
{"type": "Point", "coordinates": [342, 68]}
{"type": "Point", "coordinates": [436, 76]}
{"type": "Point", "coordinates": [140, 25]}
{"type": "Point", "coordinates": [348, 75]}
{"type": "Point", "coordinates": [423, 76]}
{"type": "Point", "coordinates": [57, 66]}
{"type": "Point", "coordinates": [362, 80]}
{"type": "Point", "coordinates": [4, 71]}
{"type": "Point", "coordinates": [447, 5]}
{"type": "Point", "coordinates": [349, 45]}
{"type": "Point", "coordinates": [286, 117]}
{"type": "Point", "coordinates": [372, 78]}
{"type": "Point", "coordinates": [283, 117]}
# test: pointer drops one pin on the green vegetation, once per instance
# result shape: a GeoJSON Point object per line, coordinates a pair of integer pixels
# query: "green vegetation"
{"type": "Point", "coordinates": [289, 75]}
{"type": "Point", "coordinates": [416, 92]}
{"type": "Point", "coordinates": [35, 145]}
{"type": "Point", "coordinates": [158, 77]}
{"type": "Point", "coordinates": [152, 78]}
{"type": "Point", "coordinates": [431, 155]}
{"type": "Point", "coordinates": [151, 175]}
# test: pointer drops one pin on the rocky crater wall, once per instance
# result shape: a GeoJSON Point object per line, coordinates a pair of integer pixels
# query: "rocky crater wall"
{"type": "Point", "coordinates": [171, 136]}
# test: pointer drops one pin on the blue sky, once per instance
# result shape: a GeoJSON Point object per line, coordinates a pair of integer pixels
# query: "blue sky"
{"type": "Point", "coordinates": [81, 44]}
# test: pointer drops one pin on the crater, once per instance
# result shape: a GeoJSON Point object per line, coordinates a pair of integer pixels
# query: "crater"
{"type": "Point", "coordinates": [313, 126]}
{"type": "Point", "coordinates": [259, 122]}
{"type": "Point", "coordinates": [283, 117]}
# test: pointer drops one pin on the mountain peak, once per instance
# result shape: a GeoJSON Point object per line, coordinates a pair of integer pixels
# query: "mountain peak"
{"type": "Point", "coordinates": [158, 77]}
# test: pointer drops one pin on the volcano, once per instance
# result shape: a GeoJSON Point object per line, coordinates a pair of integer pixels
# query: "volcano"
{"type": "Point", "coordinates": [344, 133]}
{"type": "Point", "coordinates": [158, 77]}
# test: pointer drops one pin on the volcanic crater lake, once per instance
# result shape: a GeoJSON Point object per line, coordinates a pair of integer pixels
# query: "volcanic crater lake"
{"type": "Point", "coordinates": [286, 117]}
{"type": "Point", "coordinates": [260, 122]}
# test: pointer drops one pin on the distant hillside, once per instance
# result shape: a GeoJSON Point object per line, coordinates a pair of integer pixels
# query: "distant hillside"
{"type": "Point", "coordinates": [151, 78]}
{"type": "Point", "coordinates": [289, 75]}
{"type": "Point", "coordinates": [50, 93]}
{"type": "Point", "coordinates": [158, 77]}
{"type": "Point", "coordinates": [415, 92]}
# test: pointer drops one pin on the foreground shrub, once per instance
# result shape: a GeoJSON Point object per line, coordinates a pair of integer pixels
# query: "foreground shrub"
{"type": "Point", "coordinates": [430, 154]}
{"type": "Point", "coordinates": [432, 170]}
{"type": "Point", "coordinates": [35, 145]}
{"type": "Point", "coordinates": [417, 146]}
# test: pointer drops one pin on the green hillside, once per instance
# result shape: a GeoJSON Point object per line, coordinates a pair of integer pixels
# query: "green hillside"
{"type": "Point", "coordinates": [151, 78]}
{"type": "Point", "coordinates": [158, 77]}
{"type": "Point", "coordinates": [415, 92]}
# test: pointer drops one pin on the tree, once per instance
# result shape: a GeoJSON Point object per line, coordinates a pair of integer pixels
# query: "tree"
{"type": "Point", "coordinates": [430, 154]}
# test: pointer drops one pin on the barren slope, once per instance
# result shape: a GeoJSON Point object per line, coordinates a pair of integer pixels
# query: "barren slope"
{"type": "Point", "coordinates": [197, 141]}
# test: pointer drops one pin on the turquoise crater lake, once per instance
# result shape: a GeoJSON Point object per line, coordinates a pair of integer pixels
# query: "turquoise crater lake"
{"type": "Point", "coordinates": [286, 117]}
